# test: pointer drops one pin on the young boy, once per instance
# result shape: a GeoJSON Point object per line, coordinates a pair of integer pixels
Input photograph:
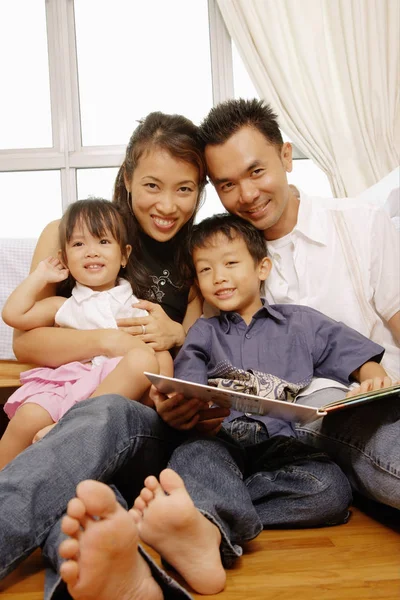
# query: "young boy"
{"type": "Point", "coordinates": [254, 473]}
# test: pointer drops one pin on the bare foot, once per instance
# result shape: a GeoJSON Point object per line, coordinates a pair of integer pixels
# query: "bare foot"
{"type": "Point", "coordinates": [173, 526]}
{"type": "Point", "coordinates": [103, 562]}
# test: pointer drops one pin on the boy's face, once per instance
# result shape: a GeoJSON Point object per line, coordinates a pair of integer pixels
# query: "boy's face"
{"type": "Point", "coordinates": [228, 277]}
{"type": "Point", "coordinates": [249, 175]}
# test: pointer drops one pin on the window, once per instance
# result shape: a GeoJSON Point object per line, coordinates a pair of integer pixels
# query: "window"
{"type": "Point", "coordinates": [83, 74]}
{"type": "Point", "coordinates": [29, 200]}
{"type": "Point", "coordinates": [25, 115]}
{"type": "Point", "coordinates": [131, 64]}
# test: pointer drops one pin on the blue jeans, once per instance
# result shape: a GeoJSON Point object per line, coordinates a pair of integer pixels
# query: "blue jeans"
{"type": "Point", "coordinates": [108, 438]}
{"type": "Point", "coordinates": [364, 441]}
{"type": "Point", "coordinates": [244, 481]}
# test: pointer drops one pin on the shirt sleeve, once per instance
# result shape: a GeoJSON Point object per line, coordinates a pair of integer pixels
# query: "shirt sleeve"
{"type": "Point", "coordinates": [192, 359]}
{"type": "Point", "coordinates": [339, 350]}
{"type": "Point", "coordinates": [385, 264]}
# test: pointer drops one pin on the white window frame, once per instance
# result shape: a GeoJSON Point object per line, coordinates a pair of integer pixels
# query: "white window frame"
{"type": "Point", "coordinates": [67, 153]}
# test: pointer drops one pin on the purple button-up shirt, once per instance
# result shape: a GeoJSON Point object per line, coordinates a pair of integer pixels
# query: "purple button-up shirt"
{"type": "Point", "coordinates": [289, 341]}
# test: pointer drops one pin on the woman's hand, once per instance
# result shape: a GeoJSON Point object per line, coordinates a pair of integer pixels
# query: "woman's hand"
{"type": "Point", "coordinates": [156, 329]}
{"type": "Point", "coordinates": [114, 342]}
{"type": "Point", "coordinates": [370, 385]}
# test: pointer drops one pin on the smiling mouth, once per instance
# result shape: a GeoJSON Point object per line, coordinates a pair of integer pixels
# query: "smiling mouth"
{"type": "Point", "coordinates": [94, 267]}
{"type": "Point", "coordinates": [225, 293]}
{"type": "Point", "coordinates": [257, 210]}
{"type": "Point", "coordinates": [163, 223]}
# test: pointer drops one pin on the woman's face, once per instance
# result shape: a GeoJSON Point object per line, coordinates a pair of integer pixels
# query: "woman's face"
{"type": "Point", "coordinates": [164, 193]}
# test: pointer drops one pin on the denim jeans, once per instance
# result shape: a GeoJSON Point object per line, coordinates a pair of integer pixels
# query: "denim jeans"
{"type": "Point", "coordinates": [364, 441]}
{"type": "Point", "coordinates": [95, 439]}
{"type": "Point", "coordinates": [244, 481]}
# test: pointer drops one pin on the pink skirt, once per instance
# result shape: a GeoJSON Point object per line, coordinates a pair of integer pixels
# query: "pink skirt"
{"type": "Point", "coordinates": [56, 390]}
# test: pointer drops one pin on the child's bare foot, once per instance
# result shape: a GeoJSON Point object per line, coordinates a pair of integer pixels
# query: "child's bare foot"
{"type": "Point", "coordinates": [173, 526]}
{"type": "Point", "coordinates": [103, 562]}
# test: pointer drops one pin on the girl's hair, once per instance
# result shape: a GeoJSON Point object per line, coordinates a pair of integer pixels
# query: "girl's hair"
{"type": "Point", "coordinates": [101, 218]}
{"type": "Point", "coordinates": [178, 136]}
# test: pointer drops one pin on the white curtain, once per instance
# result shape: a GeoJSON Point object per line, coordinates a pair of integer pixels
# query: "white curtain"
{"type": "Point", "coordinates": [331, 70]}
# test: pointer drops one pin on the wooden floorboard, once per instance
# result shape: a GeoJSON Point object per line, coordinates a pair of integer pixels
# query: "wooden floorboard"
{"type": "Point", "coordinates": [356, 561]}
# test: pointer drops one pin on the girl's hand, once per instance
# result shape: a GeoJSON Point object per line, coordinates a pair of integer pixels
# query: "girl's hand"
{"type": "Point", "coordinates": [51, 270]}
{"type": "Point", "coordinates": [369, 385]}
{"type": "Point", "coordinates": [156, 329]}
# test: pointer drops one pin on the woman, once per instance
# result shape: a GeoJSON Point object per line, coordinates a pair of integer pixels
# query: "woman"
{"type": "Point", "coordinates": [158, 190]}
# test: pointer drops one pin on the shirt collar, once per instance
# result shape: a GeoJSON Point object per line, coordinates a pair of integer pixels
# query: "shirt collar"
{"type": "Point", "coordinates": [266, 311]}
{"type": "Point", "coordinates": [311, 222]}
{"type": "Point", "coordinates": [120, 292]}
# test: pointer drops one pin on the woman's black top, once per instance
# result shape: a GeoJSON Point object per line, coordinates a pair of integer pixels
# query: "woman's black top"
{"type": "Point", "coordinates": [160, 258]}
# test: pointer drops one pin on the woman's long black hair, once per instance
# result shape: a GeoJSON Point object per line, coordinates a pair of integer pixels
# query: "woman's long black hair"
{"type": "Point", "coordinates": [178, 136]}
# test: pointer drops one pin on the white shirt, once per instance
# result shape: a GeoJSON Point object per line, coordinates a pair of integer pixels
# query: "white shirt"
{"type": "Point", "coordinates": [347, 262]}
{"type": "Point", "coordinates": [283, 250]}
{"type": "Point", "coordinates": [89, 309]}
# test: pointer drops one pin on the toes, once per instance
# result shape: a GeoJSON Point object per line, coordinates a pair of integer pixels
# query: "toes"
{"type": "Point", "coordinates": [98, 498]}
{"type": "Point", "coordinates": [70, 526]}
{"type": "Point", "coordinates": [139, 505]}
{"type": "Point", "coordinates": [69, 572]}
{"type": "Point", "coordinates": [146, 495]}
{"type": "Point", "coordinates": [76, 509]}
{"type": "Point", "coordinates": [153, 486]}
{"type": "Point", "coordinates": [136, 515]}
{"type": "Point", "coordinates": [171, 481]}
{"type": "Point", "coordinates": [69, 549]}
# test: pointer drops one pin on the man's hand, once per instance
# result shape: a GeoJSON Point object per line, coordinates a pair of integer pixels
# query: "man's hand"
{"type": "Point", "coordinates": [369, 385]}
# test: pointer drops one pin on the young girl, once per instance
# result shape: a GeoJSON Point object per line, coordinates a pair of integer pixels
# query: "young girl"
{"type": "Point", "coordinates": [94, 268]}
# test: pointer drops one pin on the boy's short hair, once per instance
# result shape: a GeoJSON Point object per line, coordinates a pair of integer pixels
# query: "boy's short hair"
{"type": "Point", "coordinates": [231, 227]}
{"type": "Point", "coordinates": [228, 117]}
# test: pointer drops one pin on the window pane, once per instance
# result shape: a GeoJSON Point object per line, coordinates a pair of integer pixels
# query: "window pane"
{"type": "Point", "coordinates": [310, 178]}
{"type": "Point", "coordinates": [25, 117]}
{"type": "Point", "coordinates": [242, 84]}
{"type": "Point", "coordinates": [138, 57]}
{"type": "Point", "coordinates": [211, 205]}
{"type": "Point", "coordinates": [29, 200]}
{"type": "Point", "coordinates": [98, 183]}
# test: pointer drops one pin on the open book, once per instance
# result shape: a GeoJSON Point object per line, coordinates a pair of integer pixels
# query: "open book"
{"type": "Point", "coordinates": [248, 403]}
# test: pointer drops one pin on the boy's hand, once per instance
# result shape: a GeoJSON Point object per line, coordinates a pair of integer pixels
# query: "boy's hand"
{"type": "Point", "coordinates": [176, 410]}
{"type": "Point", "coordinates": [211, 420]}
{"type": "Point", "coordinates": [369, 385]}
{"type": "Point", "coordinates": [51, 270]}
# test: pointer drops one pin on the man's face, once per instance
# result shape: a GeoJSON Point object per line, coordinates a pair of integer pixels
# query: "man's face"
{"type": "Point", "coordinates": [249, 175]}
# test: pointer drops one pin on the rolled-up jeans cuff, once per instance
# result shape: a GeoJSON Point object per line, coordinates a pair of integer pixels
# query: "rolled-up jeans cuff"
{"type": "Point", "coordinates": [229, 552]}
{"type": "Point", "coordinates": [56, 589]}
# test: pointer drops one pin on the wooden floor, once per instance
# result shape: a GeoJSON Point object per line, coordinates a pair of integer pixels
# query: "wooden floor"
{"type": "Point", "coordinates": [356, 561]}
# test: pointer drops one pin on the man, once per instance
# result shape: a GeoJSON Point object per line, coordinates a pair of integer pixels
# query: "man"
{"type": "Point", "coordinates": [336, 256]}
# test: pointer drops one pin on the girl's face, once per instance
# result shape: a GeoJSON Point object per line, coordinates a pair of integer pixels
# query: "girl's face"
{"type": "Point", "coordinates": [94, 262]}
{"type": "Point", "coordinates": [164, 193]}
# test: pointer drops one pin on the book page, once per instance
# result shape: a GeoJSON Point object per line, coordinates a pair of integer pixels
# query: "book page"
{"type": "Point", "coordinates": [242, 402]}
